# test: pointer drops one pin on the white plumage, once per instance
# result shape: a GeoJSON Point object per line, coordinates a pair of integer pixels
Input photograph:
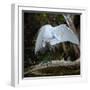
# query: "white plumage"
{"type": "Point", "coordinates": [54, 35]}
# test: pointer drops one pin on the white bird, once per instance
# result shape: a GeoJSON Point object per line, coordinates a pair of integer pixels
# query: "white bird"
{"type": "Point", "coordinates": [54, 35]}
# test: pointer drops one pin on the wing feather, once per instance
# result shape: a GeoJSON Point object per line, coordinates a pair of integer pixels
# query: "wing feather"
{"type": "Point", "coordinates": [64, 34]}
{"type": "Point", "coordinates": [38, 44]}
{"type": "Point", "coordinates": [43, 37]}
{"type": "Point", "coordinates": [54, 35]}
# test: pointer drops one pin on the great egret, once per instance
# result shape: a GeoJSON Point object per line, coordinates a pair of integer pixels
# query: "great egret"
{"type": "Point", "coordinates": [54, 35]}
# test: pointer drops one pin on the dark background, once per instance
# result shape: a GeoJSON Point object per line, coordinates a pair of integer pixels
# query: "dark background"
{"type": "Point", "coordinates": [32, 21]}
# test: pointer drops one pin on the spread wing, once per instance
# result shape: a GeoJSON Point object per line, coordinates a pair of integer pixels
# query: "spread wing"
{"type": "Point", "coordinates": [43, 36]}
{"type": "Point", "coordinates": [54, 35]}
{"type": "Point", "coordinates": [39, 41]}
{"type": "Point", "coordinates": [64, 34]}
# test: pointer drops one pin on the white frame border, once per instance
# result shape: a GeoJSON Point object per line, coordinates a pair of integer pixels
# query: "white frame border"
{"type": "Point", "coordinates": [16, 52]}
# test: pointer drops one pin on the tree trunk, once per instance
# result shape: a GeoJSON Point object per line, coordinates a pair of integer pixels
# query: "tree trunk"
{"type": "Point", "coordinates": [70, 23]}
{"type": "Point", "coordinates": [64, 68]}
